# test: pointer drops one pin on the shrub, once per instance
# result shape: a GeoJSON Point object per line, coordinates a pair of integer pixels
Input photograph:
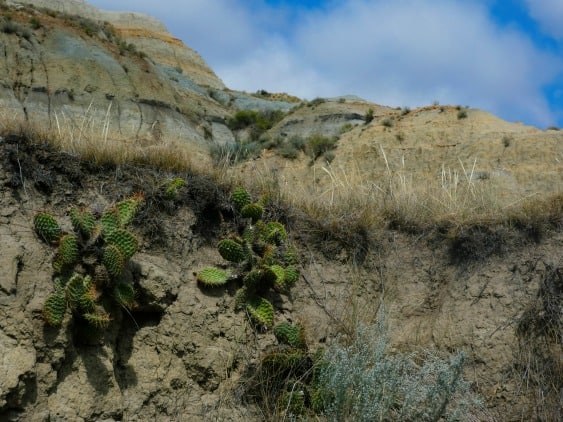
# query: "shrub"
{"type": "Point", "coordinates": [365, 382]}
{"type": "Point", "coordinates": [35, 23]}
{"type": "Point", "coordinates": [461, 114]}
{"type": "Point", "coordinates": [368, 117]}
{"type": "Point", "coordinates": [387, 122]}
{"type": "Point", "coordinates": [316, 145]}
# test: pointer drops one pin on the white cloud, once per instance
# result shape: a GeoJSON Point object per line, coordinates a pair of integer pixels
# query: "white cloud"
{"type": "Point", "coordinates": [393, 52]}
{"type": "Point", "coordinates": [549, 14]}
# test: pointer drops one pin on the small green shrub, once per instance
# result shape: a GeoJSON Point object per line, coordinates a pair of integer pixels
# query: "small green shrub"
{"type": "Point", "coordinates": [316, 145]}
{"type": "Point", "coordinates": [388, 122]}
{"type": "Point", "coordinates": [363, 381]}
{"type": "Point", "coordinates": [347, 127]}
{"type": "Point", "coordinates": [462, 114]}
{"type": "Point", "coordinates": [368, 117]}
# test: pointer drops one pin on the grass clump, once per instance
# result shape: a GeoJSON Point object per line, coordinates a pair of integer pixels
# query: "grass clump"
{"type": "Point", "coordinates": [257, 122]}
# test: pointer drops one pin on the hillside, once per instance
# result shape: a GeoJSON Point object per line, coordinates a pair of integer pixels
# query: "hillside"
{"type": "Point", "coordinates": [446, 217]}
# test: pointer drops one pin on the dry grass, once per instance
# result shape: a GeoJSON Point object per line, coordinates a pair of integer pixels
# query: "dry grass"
{"type": "Point", "coordinates": [345, 201]}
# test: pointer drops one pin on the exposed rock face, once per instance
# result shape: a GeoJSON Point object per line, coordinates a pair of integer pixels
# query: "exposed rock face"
{"type": "Point", "coordinates": [130, 77]}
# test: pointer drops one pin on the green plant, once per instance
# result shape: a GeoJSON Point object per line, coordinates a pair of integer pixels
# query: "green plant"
{"type": "Point", "coordinates": [388, 122]}
{"type": "Point", "coordinates": [260, 257]}
{"type": "Point", "coordinates": [368, 117]}
{"type": "Point", "coordinates": [316, 145]}
{"type": "Point", "coordinates": [364, 381]}
{"type": "Point", "coordinates": [461, 114]}
{"type": "Point", "coordinates": [89, 262]}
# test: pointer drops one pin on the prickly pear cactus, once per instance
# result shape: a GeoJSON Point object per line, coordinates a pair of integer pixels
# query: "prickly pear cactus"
{"type": "Point", "coordinates": [90, 261]}
{"type": "Point", "coordinates": [252, 211]}
{"type": "Point", "coordinates": [54, 309]}
{"type": "Point", "coordinates": [47, 227]}
{"type": "Point", "coordinates": [83, 221]}
{"type": "Point", "coordinates": [261, 311]}
{"type": "Point", "coordinates": [231, 251]}
{"type": "Point", "coordinates": [173, 187]}
{"type": "Point", "coordinates": [240, 198]}
{"type": "Point", "coordinates": [212, 277]}
{"type": "Point", "coordinates": [290, 334]}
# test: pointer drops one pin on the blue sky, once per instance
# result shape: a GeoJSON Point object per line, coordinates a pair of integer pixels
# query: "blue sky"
{"type": "Point", "coordinates": [503, 56]}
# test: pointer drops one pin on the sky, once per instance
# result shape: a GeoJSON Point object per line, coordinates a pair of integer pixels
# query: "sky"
{"type": "Point", "coordinates": [502, 56]}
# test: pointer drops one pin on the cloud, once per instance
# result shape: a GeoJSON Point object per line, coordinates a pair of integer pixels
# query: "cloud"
{"type": "Point", "coordinates": [398, 53]}
{"type": "Point", "coordinates": [549, 14]}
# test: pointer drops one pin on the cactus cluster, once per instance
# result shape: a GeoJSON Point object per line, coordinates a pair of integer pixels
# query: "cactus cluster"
{"type": "Point", "coordinates": [89, 261]}
{"type": "Point", "coordinates": [261, 258]}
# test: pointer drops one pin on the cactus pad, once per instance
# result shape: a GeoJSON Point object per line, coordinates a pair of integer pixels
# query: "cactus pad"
{"type": "Point", "coordinates": [292, 403]}
{"type": "Point", "coordinates": [240, 198]}
{"type": "Point", "coordinates": [212, 277]}
{"type": "Point", "coordinates": [68, 249]}
{"type": "Point", "coordinates": [110, 220]}
{"type": "Point", "coordinates": [290, 334]}
{"type": "Point", "coordinates": [127, 209]}
{"type": "Point", "coordinates": [261, 311]}
{"type": "Point", "coordinates": [274, 233]}
{"type": "Point", "coordinates": [83, 221]}
{"type": "Point", "coordinates": [54, 309]}
{"type": "Point", "coordinates": [75, 288]}
{"type": "Point", "coordinates": [252, 211]}
{"type": "Point", "coordinates": [98, 318]}
{"type": "Point", "coordinates": [124, 294]}
{"type": "Point", "coordinates": [231, 250]}
{"type": "Point", "coordinates": [291, 275]}
{"type": "Point", "coordinates": [46, 227]}
{"type": "Point", "coordinates": [113, 260]}
{"type": "Point", "coordinates": [124, 241]}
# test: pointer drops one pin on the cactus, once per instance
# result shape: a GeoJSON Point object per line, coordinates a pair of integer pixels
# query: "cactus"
{"type": "Point", "coordinates": [240, 198]}
{"type": "Point", "coordinates": [83, 221]}
{"type": "Point", "coordinates": [98, 318]}
{"type": "Point", "coordinates": [274, 233]}
{"type": "Point", "coordinates": [46, 227]}
{"type": "Point", "coordinates": [212, 277]}
{"type": "Point", "coordinates": [124, 241]}
{"type": "Point", "coordinates": [68, 249]}
{"type": "Point", "coordinates": [75, 288]}
{"type": "Point", "coordinates": [291, 275]}
{"type": "Point", "coordinates": [110, 220]}
{"type": "Point", "coordinates": [124, 294]}
{"type": "Point", "coordinates": [54, 309]}
{"type": "Point", "coordinates": [231, 250]}
{"type": "Point", "coordinates": [127, 209]}
{"type": "Point", "coordinates": [290, 334]}
{"type": "Point", "coordinates": [113, 260]}
{"type": "Point", "coordinates": [261, 311]}
{"type": "Point", "coordinates": [292, 403]}
{"type": "Point", "coordinates": [252, 211]}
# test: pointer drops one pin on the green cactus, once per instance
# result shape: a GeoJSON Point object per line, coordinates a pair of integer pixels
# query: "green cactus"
{"type": "Point", "coordinates": [75, 288]}
{"type": "Point", "coordinates": [261, 311]}
{"type": "Point", "coordinates": [124, 294]}
{"type": "Point", "coordinates": [212, 277]}
{"type": "Point", "coordinates": [113, 260]}
{"type": "Point", "coordinates": [252, 211]}
{"type": "Point", "coordinates": [240, 198]}
{"type": "Point", "coordinates": [46, 227]}
{"type": "Point", "coordinates": [231, 250]}
{"type": "Point", "coordinates": [127, 209]}
{"type": "Point", "coordinates": [290, 334]}
{"type": "Point", "coordinates": [124, 241]}
{"type": "Point", "coordinates": [173, 187]}
{"type": "Point", "coordinates": [54, 309]}
{"type": "Point", "coordinates": [83, 221]}
{"type": "Point", "coordinates": [110, 220]}
{"type": "Point", "coordinates": [274, 233]}
{"type": "Point", "coordinates": [98, 318]}
{"type": "Point", "coordinates": [290, 256]}
{"type": "Point", "coordinates": [291, 275]}
{"type": "Point", "coordinates": [68, 249]}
